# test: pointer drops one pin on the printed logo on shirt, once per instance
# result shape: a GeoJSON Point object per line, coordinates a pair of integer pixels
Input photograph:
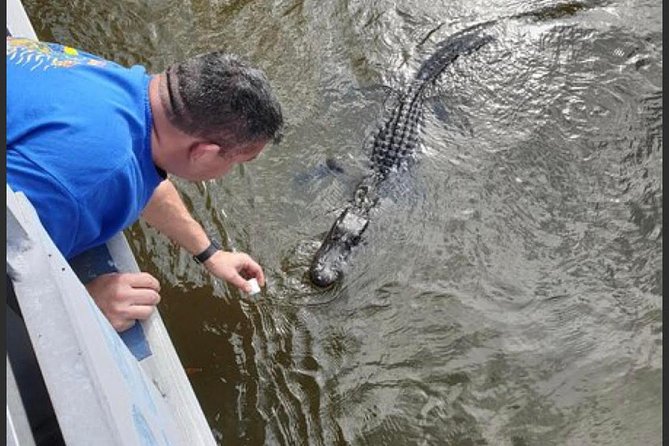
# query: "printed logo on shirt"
{"type": "Point", "coordinates": [47, 55]}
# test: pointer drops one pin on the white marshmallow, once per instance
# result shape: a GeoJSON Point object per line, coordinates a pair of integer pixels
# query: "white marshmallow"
{"type": "Point", "coordinates": [255, 288]}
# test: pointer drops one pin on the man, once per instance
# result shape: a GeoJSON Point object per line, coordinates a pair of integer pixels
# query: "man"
{"type": "Point", "coordinates": [90, 143]}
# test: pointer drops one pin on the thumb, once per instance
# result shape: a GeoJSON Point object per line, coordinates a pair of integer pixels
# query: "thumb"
{"type": "Point", "coordinates": [238, 281]}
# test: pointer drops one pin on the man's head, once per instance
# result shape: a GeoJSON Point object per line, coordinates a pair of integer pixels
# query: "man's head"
{"type": "Point", "coordinates": [224, 111]}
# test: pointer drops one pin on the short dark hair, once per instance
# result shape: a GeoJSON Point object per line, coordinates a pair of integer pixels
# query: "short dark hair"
{"type": "Point", "coordinates": [218, 96]}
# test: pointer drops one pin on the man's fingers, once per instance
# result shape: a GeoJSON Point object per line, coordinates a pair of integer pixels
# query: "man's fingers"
{"type": "Point", "coordinates": [143, 296]}
{"type": "Point", "coordinates": [125, 297]}
{"type": "Point", "coordinates": [235, 268]}
{"type": "Point", "coordinates": [251, 269]}
{"type": "Point", "coordinates": [140, 312]}
{"type": "Point", "coordinates": [130, 316]}
{"type": "Point", "coordinates": [255, 271]}
{"type": "Point", "coordinates": [121, 325]}
{"type": "Point", "coordinates": [143, 280]}
{"type": "Point", "coordinates": [238, 281]}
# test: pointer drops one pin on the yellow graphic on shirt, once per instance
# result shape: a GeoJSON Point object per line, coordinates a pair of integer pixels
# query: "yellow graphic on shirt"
{"type": "Point", "coordinates": [44, 55]}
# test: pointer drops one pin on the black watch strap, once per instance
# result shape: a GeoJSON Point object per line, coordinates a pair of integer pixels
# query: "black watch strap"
{"type": "Point", "coordinates": [204, 255]}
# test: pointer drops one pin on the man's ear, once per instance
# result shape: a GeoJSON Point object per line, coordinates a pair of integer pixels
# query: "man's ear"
{"type": "Point", "coordinates": [203, 150]}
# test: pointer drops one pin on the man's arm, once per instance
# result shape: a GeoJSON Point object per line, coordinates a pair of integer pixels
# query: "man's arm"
{"type": "Point", "coordinates": [167, 213]}
{"type": "Point", "coordinates": [126, 297]}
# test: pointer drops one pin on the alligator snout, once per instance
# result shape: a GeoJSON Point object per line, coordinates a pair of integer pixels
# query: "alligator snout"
{"type": "Point", "coordinates": [328, 263]}
{"type": "Point", "coordinates": [324, 276]}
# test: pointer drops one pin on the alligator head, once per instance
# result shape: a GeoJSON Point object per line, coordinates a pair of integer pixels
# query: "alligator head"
{"type": "Point", "coordinates": [328, 263]}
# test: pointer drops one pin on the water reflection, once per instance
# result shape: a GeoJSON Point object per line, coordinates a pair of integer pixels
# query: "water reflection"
{"type": "Point", "coordinates": [513, 296]}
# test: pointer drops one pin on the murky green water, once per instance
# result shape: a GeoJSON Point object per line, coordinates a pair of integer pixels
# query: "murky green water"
{"type": "Point", "coordinates": [512, 295]}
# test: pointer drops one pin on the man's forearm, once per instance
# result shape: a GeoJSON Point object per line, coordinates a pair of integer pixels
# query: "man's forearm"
{"type": "Point", "coordinates": [167, 213]}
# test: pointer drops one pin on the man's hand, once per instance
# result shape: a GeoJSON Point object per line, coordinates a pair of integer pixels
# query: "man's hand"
{"type": "Point", "coordinates": [167, 213]}
{"type": "Point", "coordinates": [236, 268]}
{"type": "Point", "coordinates": [125, 297]}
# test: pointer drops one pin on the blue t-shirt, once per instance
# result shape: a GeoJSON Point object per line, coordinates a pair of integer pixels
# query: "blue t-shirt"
{"type": "Point", "coordinates": [78, 141]}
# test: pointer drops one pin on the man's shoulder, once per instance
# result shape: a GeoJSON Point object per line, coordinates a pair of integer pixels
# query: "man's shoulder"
{"type": "Point", "coordinates": [34, 54]}
{"type": "Point", "coordinates": [63, 70]}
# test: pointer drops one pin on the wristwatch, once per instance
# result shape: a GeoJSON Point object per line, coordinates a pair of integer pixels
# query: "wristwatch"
{"type": "Point", "coordinates": [211, 249]}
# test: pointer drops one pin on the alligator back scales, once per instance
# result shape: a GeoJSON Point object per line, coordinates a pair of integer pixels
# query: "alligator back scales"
{"type": "Point", "coordinates": [393, 146]}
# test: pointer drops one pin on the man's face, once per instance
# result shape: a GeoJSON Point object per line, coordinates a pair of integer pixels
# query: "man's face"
{"type": "Point", "coordinates": [211, 167]}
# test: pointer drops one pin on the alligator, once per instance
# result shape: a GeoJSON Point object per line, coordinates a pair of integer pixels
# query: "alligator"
{"type": "Point", "coordinates": [393, 147]}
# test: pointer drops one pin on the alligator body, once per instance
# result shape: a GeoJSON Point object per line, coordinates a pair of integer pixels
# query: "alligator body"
{"type": "Point", "coordinates": [393, 147]}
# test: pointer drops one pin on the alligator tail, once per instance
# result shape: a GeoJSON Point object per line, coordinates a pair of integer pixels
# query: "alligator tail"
{"type": "Point", "coordinates": [448, 51]}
